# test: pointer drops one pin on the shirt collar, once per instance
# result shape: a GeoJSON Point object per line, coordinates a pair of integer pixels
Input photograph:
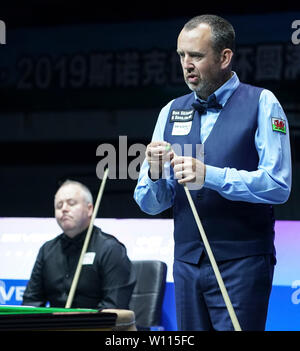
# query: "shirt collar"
{"type": "Point", "coordinates": [77, 240]}
{"type": "Point", "coordinates": [225, 91]}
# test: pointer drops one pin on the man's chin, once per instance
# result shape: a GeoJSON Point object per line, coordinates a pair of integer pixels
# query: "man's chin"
{"type": "Point", "coordinates": [202, 91]}
{"type": "Point", "coordinates": [194, 87]}
{"type": "Point", "coordinates": [66, 227]}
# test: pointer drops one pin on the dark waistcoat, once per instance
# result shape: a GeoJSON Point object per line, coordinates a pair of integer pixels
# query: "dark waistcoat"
{"type": "Point", "coordinates": [234, 228]}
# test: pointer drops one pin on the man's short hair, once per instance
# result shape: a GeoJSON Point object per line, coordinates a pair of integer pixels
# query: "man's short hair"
{"type": "Point", "coordinates": [86, 191]}
{"type": "Point", "coordinates": [223, 34]}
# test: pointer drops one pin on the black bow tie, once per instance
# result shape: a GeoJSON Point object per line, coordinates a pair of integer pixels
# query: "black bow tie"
{"type": "Point", "coordinates": [202, 106]}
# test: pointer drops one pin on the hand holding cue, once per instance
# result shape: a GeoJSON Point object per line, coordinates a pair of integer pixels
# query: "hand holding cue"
{"type": "Point", "coordinates": [211, 257]}
{"type": "Point", "coordinates": [86, 242]}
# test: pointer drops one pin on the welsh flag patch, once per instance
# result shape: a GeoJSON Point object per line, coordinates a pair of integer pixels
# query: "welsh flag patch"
{"type": "Point", "coordinates": [278, 125]}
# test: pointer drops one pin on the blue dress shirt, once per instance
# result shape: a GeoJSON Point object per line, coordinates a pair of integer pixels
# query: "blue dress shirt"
{"type": "Point", "coordinates": [270, 183]}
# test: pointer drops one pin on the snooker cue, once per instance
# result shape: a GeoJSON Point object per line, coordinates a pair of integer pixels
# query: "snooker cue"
{"type": "Point", "coordinates": [86, 242]}
{"type": "Point", "coordinates": [211, 257]}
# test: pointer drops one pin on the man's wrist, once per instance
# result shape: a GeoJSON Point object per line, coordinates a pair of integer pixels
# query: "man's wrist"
{"type": "Point", "coordinates": [154, 174]}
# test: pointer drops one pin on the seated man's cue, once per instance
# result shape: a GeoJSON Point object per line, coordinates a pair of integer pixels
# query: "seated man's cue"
{"type": "Point", "coordinates": [86, 242]}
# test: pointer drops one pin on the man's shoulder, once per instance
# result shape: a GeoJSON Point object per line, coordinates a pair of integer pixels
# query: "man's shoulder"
{"type": "Point", "coordinates": [51, 244]}
{"type": "Point", "coordinates": [248, 86]}
{"type": "Point", "coordinates": [264, 95]}
{"type": "Point", "coordinates": [53, 241]}
{"type": "Point", "coordinates": [182, 100]}
{"type": "Point", "coordinates": [185, 97]}
{"type": "Point", "coordinates": [248, 91]}
{"type": "Point", "coordinates": [105, 237]}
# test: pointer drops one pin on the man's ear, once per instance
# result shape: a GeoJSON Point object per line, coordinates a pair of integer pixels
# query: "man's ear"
{"type": "Point", "coordinates": [90, 209]}
{"type": "Point", "coordinates": [226, 58]}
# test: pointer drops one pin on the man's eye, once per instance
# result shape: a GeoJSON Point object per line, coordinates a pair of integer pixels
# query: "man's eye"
{"type": "Point", "coordinates": [72, 202]}
{"type": "Point", "coordinates": [197, 56]}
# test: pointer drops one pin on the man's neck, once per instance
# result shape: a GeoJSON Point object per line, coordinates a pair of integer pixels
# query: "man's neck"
{"type": "Point", "coordinates": [73, 234]}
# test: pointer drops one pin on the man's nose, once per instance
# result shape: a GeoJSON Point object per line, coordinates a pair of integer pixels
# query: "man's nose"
{"type": "Point", "coordinates": [65, 207]}
{"type": "Point", "coordinates": [187, 64]}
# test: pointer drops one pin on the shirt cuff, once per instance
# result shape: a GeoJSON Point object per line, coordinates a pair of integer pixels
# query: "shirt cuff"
{"type": "Point", "coordinates": [214, 177]}
{"type": "Point", "coordinates": [153, 184]}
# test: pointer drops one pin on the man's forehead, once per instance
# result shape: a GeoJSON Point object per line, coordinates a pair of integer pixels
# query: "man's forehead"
{"type": "Point", "coordinates": [201, 33]}
{"type": "Point", "coordinates": [68, 191]}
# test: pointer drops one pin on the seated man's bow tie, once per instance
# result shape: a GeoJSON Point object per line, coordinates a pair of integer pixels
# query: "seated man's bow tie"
{"type": "Point", "coordinates": [202, 106]}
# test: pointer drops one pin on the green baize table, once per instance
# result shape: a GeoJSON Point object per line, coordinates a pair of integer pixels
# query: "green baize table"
{"type": "Point", "coordinates": [22, 318]}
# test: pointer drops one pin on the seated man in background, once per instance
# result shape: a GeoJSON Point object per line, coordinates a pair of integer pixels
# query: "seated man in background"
{"type": "Point", "coordinates": [106, 279]}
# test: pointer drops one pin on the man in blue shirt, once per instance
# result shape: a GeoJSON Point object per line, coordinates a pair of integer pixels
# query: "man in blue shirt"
{"type": "Point", "coordinates": [239, 164]}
